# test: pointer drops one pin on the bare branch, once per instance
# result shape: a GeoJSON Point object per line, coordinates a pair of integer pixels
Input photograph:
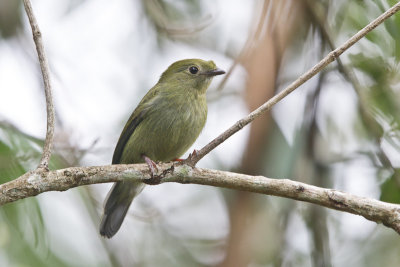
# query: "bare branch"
{"type": "Point", "coordinates": [34, 183]}
{"type": "Point", "coordinates": [302, 79]}
{"type": "Point", "coordinates": [44, 66]}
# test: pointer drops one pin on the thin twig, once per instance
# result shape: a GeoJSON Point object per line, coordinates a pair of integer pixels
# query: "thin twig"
{"type": "Point", "coordinates": [44, 66]}
{"type": "Point", "coordinates": [34, 183]}
{"type": "Point", "coordinates": [302, 79]}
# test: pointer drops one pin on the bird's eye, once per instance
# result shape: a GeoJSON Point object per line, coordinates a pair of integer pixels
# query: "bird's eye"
{"type": "Point", "coordinates": [193, 70]}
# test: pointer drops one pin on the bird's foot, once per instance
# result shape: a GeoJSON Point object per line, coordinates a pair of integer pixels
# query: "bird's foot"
{"type": "Point", "coordinates": [155, 179]}
{"type": "Point", "coordinates": [191, 159]}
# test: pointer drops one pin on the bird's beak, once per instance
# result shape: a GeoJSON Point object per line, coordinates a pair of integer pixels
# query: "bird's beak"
{"type": "Point", "coordinates": [215, 72]}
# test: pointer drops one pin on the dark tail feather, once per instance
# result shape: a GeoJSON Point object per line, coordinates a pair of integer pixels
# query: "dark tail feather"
{"type": "Point", "coordinates": [117, 205]}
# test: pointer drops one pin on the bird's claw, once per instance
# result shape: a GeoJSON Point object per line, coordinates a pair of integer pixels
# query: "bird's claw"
{"type": "Point", "coordinates": [155, 179]}
{"type": "Point", "coordinates": [152, 165]}
{"type": "Point", "coordinates": [191, 159]}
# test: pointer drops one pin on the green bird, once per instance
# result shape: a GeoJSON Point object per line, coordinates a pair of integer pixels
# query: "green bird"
{"type": "Point", "coordinates": [163, 126]}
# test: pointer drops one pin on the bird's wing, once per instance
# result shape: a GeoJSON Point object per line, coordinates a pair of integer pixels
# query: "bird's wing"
{"type": "Point", "coordinates": [134, 120]}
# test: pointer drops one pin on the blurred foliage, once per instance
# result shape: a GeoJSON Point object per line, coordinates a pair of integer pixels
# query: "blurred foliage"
{"type": "Point", "coordinates": [23, 231]}
{"type": "Point", "coordinates": [390, 189]}
{"type": "Point", "coordinates": [10, 17]}
{"type": "Point", "coordinates": [378, 66]}
{"type": "Point", "coordinates": [176, 18]}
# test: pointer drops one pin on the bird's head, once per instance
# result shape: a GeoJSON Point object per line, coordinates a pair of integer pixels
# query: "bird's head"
{"type": "Point", "coordinates": [191, 74]}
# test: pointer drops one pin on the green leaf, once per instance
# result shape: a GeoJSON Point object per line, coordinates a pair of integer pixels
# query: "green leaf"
{"type": "Point", "coordinates": [390, 190]}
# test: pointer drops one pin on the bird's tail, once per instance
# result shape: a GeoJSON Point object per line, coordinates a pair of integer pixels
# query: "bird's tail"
{"type": "Point", "coordinates": [116, 206]}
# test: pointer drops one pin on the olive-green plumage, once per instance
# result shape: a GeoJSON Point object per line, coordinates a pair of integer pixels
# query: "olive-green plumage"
{"type": "Point", "coordinates": [163, 126]}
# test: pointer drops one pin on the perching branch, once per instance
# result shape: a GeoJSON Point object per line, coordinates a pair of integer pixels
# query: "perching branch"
{"type": "Point", "coordinates": [302, 79]}
{"type": "Point", "coordinates": [44, 66]}
{"type": "Point", "coordinates": [34, 183]}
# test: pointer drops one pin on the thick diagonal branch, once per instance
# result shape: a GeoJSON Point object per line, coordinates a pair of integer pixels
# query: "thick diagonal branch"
{"type": "Point", "coordinates": [298, 82]}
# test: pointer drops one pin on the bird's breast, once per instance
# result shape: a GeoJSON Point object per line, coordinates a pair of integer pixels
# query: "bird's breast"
{"type": "Point", "coordinates": [168, 130]}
